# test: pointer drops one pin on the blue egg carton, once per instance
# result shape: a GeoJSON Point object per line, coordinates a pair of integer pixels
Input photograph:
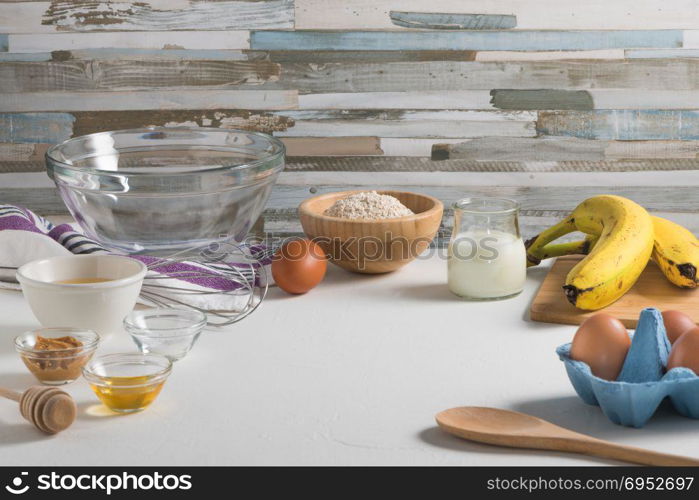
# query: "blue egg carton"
{"type": "Point", "coordinates": [643, 383]}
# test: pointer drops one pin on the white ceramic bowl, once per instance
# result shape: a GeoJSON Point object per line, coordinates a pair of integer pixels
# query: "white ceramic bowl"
{"type": "Point", "coordinates": [95, 306]}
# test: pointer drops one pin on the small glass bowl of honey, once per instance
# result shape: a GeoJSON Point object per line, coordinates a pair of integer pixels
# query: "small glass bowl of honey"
{"type": "Point", "coordinates": [127, 383]}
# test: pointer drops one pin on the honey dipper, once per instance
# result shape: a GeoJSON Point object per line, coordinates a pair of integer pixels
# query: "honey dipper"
{"type": "Point", "coordinates": [51, 410]}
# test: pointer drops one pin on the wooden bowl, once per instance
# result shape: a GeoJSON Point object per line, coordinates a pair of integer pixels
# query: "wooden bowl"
{"type": "Point", "coordinates": [372, 246]}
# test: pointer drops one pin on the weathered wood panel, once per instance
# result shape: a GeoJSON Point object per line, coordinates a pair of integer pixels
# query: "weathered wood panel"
{"type": "Point", "coordinates": [90, 122]}
{"type": "Point", "coordinates": [147, 100]}
{"type": "Point", "coordinates": [144, 15]}
{"type": "Point", "coordinates": [530, 197]}
{"type": "Point", "coordinates": [413, 146]}
{"type": "Point", "coordinates": [569, 149]}
{"type": "Point", "coordinates": [29, 157]}
{"type": "Point", "coordinates": [358, 85]}
{"type": "Point", "coordinates": [621, 125]}
{"type": "Point", "coordinates": [75, 75]}
{"type": "Point", "coordinates": [127, 54]}
{"type": "Point", "coordinates": [542, 99]}
{"type": "Point", "coordinates": [464, 40]}
{"type": "Point", "coordinates": [652, 149]}
{"type": "Point", "coordinates": [407, 123]}
{"type": "Point", "coordinates": [134, 54]}
{"type": "Point", "coordinates": [30, 180]}
{"type": "Point", "coordinates": [539, 14]}
{"type": "Point", "coordinates": [21, 153]}
{"type": "Point", "coordinates": [583, 100]}
{"type": "Point", "coordinates": [308, 179]}
{"type": "Point", "coordinates": [551, 179]}
{"type": "Point", "coordinates": [467, 99]}
{"type": "Point", "coordinates": [437, 20]}
{"type": "Point", "coordinates": [393, 123]}
{"type": "Point", "coordinates": [44, 201]}
{"type": "Point", "coordinates": [691, 38]}
{"type": "Point", "coordinates": [549, 55]}
{"type": "Point", "coordinates": [555, 199]}
{"type": "Point", "coordinates": [660, 53]}
{"type": "Point", "coordinates": [385, 164]}
{"type": "Point", "coordinates": [407, 86]}
{"type": "Point", "coordinates": [332, 146]}
{"type": "Point", "coordinates": [408, 164]}
{"type": "Point", "coordinates": [35, 127]}
{"type": "Point", "coordinates": [164, 40]}
{"type": "Point", "coordinates": [285, 223]}
{"type": "Point", "coordinates": [645, 99]}
{"type": "Point", "coordinates": [523, 150]}
{"type": "Point", "coordinates": [680, 74]}
{"type": "Point", "coordinates": [365, 56]}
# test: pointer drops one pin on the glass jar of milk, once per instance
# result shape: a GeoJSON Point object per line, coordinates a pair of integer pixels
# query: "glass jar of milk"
{"type": "Point", "coordinates": [486, 259]}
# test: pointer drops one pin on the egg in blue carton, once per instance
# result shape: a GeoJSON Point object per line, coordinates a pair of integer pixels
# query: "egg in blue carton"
{"type": "Point", "coordinates": [643, 382]}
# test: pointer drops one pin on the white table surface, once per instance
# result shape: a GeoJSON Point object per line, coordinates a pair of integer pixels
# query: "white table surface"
{"type": "Point", "coordinates": [351, 373]}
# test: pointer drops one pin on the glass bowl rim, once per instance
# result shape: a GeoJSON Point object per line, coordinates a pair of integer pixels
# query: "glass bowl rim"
{"type": "Point", "coordinates": [91, 346]}
{"type": "Point", "coordinates": [514, 206]}
{"type": "Point", "coordinates": [153, 378]}
{"type": "Point", "coordinates": [190, 330]}
{"type": "Point", "coordinates": [279, 151]}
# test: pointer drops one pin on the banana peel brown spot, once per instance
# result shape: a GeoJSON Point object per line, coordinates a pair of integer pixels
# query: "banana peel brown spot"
{"type": "Point", "coordinates": [572, 292]}
{"type": "Point", "coordinates": [585, 247]}
{"type": "Point", "coordinates": [688, 271]}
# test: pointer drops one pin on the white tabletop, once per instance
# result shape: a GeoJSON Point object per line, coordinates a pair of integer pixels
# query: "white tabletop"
{"type": "Point", "coordinates": [350, 373]}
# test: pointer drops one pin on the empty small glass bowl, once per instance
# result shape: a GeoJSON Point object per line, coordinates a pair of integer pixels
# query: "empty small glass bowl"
{"type": "Point", "coordinates": [127, 383]}
{"type": "Point", "coordinates": [168, 331]}
{"type": "Point", "coordinates": [52, 357]}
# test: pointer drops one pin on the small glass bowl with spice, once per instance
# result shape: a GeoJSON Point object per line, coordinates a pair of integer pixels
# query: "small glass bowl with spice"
{"type": "Point", "coordinates": [127, 383]}
{"type": "Point", "coordinates": [168, 331]}
{"type": "Point", "coordinates": [56, 356]}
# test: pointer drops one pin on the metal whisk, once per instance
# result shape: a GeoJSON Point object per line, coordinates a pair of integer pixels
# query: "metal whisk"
{"type": "Point", "coordinates": [246, 277]}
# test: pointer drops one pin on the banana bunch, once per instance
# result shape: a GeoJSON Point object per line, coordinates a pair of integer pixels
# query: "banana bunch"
{"type": "Point", "coordinates": [619, 224]}
{"type": "Point", "coordinates": [620, 240]}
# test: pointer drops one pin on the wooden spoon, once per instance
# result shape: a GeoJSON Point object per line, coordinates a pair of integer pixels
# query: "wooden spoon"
{"type": "Point", "coordinates": [51, 410]}
{"type": "Point", "coordinates": [518, 430]}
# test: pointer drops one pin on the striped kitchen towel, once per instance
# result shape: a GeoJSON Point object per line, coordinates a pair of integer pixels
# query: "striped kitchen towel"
{"type": "Point", "coordinates": [219, 272]}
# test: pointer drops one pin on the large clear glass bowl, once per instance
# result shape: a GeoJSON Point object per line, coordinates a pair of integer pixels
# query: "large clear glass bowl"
{"type": "Point", "coordinates": [159, 190]}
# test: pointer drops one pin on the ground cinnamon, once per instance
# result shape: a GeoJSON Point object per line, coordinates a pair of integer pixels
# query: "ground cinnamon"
{"type": "Point", "coordinates": [56, 359]}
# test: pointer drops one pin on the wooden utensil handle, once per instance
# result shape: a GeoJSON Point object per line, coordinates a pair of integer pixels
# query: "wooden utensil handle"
{"type": "Point", "coordinates": [632, 454]}
{"type": "Point", "coordinates": [7, 393]}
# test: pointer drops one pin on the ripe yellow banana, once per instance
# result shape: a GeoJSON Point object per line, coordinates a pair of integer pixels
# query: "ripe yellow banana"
{"type": "Point", "coordinates": [676, 252]}
{"type": "Point", "coordinates": [625, 242]}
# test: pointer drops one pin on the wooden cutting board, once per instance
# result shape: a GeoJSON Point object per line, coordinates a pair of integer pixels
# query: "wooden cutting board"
{"type": "Point", "coordinates": [651, 290]}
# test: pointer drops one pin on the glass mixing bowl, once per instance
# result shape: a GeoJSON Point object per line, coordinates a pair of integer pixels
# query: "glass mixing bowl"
{"type": "Point", "coordinates": [159, 190]}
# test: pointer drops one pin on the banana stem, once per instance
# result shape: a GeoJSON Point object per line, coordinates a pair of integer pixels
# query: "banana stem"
{"type": "Point", "coordinates": [535, 244]}
{"type": "Point", "coordinates": [581, 247]}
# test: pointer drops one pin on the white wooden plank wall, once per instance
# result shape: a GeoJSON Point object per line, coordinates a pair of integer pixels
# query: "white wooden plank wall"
{"type": "Point", "coordinates": [449, 97]}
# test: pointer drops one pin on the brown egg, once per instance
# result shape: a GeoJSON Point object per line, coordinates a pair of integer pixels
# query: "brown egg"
{"type": "Point", "coordinates": [602, 342]}
{"type": "Point", "coordinates": [298, 266]}
{"type": "Point", "coordinates": [685, 351]}
{"type": "Point", "coordinates": [676, 323]}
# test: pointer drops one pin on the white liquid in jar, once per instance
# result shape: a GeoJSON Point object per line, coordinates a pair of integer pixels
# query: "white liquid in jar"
{"type": "Point", "coordinates": [486, 264]}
